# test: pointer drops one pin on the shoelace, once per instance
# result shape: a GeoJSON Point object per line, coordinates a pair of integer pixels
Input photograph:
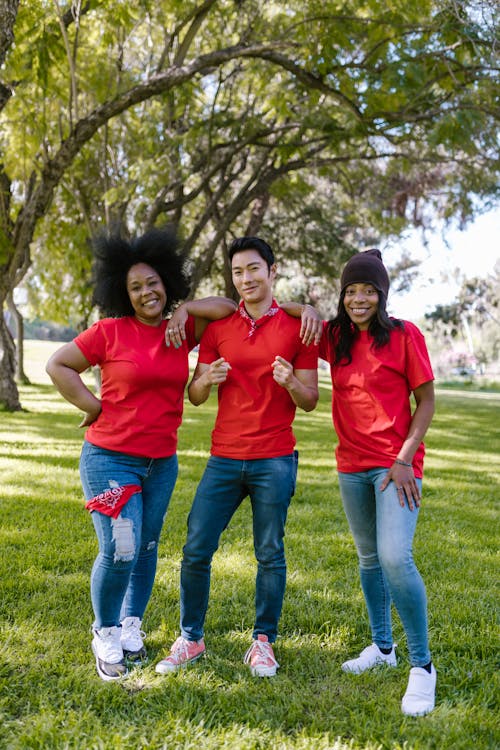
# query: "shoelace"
{"type": "Point", "coordinates": [180, 650]}
{"type": "Point", "coordinates": [134, 637]}
{"type": "Point", "coordinates": [111, 649]}
{"type": "Point", "coordinates": [133, 630]}
{"type": "Point", "coordinates": [264, 651]}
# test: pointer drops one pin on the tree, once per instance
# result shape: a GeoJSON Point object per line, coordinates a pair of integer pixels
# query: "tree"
{"type": "Point", "coordinates": [219, 115]}
{"type": "Point", "coordinates": [474, 318]}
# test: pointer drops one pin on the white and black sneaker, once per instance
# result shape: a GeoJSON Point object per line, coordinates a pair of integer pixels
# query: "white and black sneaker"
{"type": "Point", "coordinates": [131, 639]}
{"type": "Point", "coordinates": [108, 653]}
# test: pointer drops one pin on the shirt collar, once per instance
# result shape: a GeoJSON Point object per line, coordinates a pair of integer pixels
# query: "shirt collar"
{"type": "Point", "coordinates": [255, 324]}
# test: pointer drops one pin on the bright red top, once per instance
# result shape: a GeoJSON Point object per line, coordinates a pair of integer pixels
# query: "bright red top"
{"type": "Point", "coordinates": [371, 397]}
{"type": "Point", "coordinates": [143, 384]}
{"type": "Point", "coordinates": [255, 414]}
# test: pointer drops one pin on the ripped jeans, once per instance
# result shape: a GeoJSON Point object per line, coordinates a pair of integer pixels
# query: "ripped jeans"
{"type": "Point", "coordinates": [124, 570]}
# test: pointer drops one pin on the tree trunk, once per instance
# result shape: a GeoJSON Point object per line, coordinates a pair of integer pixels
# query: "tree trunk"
{"type": "Point", "coordinates": [259, 209]}
{"type": "Point", "coordinates": [8, 13]}
{"type": "Point", "coordinates": [9, 395]}
{"type": "Point", "coordinates": [19, 326]}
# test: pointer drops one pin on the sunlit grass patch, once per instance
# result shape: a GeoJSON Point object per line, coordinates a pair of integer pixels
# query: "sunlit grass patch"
{"type": "Point", "coordinates": [51, 697]}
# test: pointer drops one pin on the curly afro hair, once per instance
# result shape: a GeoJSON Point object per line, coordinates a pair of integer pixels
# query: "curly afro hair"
{"type": "Point", "coordinates": [114, 256]}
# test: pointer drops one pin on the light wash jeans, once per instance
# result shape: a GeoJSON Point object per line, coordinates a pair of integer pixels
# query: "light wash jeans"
{"type": "Point", "coordinates": [270, 483]}
{"type": "Point", "coordinates": [124, 570]}
{"type": "Point", "coordinates": [383, 534]}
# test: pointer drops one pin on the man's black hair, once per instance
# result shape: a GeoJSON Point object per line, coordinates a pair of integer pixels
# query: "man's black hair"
{"type": "Point", "coordinates": [252, 243]}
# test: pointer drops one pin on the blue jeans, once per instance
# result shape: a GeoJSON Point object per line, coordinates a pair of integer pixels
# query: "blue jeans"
{"type": "Point", "coordinates": [124, 569]}
{"type": "Point", "coordinates": [270, 483]}
{"type": "Point", "coordinates": [383, 534]}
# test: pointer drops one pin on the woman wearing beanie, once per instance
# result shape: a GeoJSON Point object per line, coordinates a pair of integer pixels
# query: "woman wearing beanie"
{"type": "Point", "coordinates": [376, 362]}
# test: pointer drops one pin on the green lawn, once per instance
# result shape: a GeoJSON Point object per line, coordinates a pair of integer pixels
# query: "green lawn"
{"type": "Point", "coordinates": [51, 697]}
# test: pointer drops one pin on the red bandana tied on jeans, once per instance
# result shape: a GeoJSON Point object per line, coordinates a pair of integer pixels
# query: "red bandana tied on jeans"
{"type": "Point", "coordinates": [111, 501]}
{"type": "Point", "coordinates": [254, 324]}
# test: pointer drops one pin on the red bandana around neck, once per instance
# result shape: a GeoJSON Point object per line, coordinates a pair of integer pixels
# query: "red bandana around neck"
{"type": "Point", "coordinates": [254, 324]}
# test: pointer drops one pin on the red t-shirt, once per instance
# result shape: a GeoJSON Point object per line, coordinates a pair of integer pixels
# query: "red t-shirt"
{"type": "Point", "coordinates": [371, 397]}
{"type": "Point", "coordinates": [255, 414]}
{"type": "Point", "coordinates": [143, 384]}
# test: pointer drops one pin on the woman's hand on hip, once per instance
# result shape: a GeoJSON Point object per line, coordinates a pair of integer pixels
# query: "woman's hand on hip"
{"type": "Point", "coordinates": [91, 416]}
{"type": "Point", "coordinates": [406, 486]}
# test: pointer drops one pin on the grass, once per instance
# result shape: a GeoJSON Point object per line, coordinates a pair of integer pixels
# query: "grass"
{"type": "Point", "coordinates": [475, 384]}
{"type": "Point", "coordinates": [51, 697]}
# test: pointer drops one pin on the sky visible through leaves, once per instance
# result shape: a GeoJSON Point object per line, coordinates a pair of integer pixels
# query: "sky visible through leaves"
{"type": "Point", "coordinates": [463, 254]}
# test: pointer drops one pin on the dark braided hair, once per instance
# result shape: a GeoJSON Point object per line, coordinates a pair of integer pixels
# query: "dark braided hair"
{"type": "Point", "coordinates": [114, 256]}
{"type": "Point", "coordinates": [345, 332]}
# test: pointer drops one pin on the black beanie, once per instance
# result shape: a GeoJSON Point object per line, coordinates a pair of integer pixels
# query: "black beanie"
{"type": "Point", "coordinates": [366, 268]}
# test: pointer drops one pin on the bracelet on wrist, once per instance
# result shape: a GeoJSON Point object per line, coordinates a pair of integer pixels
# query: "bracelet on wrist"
{"type": "Point", "coordinates": [402, 463]}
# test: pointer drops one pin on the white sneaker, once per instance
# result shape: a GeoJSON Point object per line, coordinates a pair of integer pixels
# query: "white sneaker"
{"type": "Point", "coordinates": [108, 653]}
{"type": "Point", "coordinates": [370, 657]}
{"type": "Point", "coordinates": [131, 639]}
{"type": "Point", "coordinates": [420, 696]}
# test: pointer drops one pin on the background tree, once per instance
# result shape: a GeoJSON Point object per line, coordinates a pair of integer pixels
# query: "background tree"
{"type": "Point", "coordinates": [473, 318]}
{"type": "Point", "coordinates": [324, 125]}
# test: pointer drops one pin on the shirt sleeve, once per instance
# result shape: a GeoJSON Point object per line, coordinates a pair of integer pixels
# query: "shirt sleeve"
{"type": "Point", "coordinates": [208, 346]}
{"type": "Point", "coordinates": [418, 364]}
{"type": "Point", "coordinates": [190, 333]}
{"type": "Point", "coordinates": [307, 357]}
{"type": "Point", "coordinates": [92, 343]}
{"type": "Point", "coordinates": [324, 349]}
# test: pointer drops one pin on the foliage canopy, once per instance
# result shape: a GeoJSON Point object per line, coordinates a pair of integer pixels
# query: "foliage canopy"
{"type": "Point", "coordinates": [324, 125]}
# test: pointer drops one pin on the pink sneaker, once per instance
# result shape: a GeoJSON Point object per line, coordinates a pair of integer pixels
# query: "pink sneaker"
{"type": "Point", "coordinates": [260, 658]}
{"type": "Point", "coordinates": [182, 653]}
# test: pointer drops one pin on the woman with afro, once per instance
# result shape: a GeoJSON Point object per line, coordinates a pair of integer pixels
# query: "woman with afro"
{"type": "Point", "coordinates": [128, 463]}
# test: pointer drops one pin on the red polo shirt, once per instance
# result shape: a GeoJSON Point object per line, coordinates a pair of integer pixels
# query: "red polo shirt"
{"type": "Point", "coordinates": [255, 414]}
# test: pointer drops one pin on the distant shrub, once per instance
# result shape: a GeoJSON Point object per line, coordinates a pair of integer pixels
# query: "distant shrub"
{"type": "Point", "coordinates": [47, 331]}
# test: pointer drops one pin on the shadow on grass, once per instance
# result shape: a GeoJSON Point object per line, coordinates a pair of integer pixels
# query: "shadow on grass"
{"type": "Point", "coordinates": [51, 696]}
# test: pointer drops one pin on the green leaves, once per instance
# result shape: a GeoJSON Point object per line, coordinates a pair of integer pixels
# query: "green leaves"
{"type": "Point", "coordinates": [202, 113]}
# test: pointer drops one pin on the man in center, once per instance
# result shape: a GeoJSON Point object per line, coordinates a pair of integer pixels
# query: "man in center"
{"type": "Point", "coordinates": [263, 371]}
